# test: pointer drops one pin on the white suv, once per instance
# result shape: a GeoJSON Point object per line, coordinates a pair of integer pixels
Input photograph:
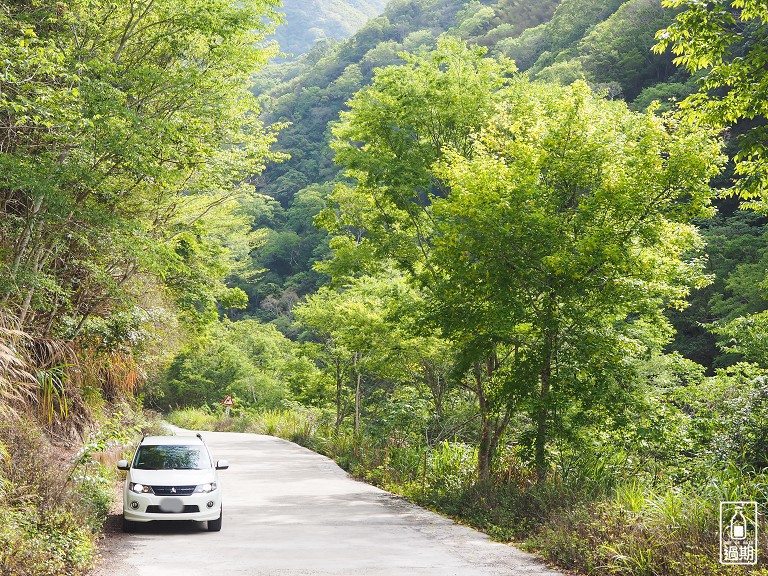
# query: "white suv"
{"type": "Point", "coordinates": [172, 478]}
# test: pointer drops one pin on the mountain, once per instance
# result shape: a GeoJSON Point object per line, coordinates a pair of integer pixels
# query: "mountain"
{"type": "Point", "coordinates": [307, 21]}
{"type": "Point", "coordinates": [607, 42]}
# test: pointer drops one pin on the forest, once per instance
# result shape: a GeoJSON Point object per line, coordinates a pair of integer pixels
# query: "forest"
{"type": "Point", "coordinates": [504, 258]}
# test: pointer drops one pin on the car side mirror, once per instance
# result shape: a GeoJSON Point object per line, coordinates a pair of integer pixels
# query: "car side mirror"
{"type": "Point", "coordinates": [222, 465]}
{"type": "Point", "coordinates": [122, 465]}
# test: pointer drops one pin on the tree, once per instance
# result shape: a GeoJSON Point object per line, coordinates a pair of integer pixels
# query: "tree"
{"type": "Point", "coordinates": [253, 361]}
{"type": "Point", "coordinates": [727, 38]}
{"type": "Point", "coordinates": [564, 236]}
{"type": "Point", "coordinates": [395, 131]}
{"type": "Point", "coordinates": [124, 127]}
{"type": "Point", "coordinates": [619, 48]}
{"type": "Point", "coordinates": [357, 332]}
{"type": "Point", "coordinates": [398, 127]}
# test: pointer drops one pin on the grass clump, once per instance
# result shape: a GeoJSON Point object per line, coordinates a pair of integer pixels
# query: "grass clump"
{"type": "Point", "coordinates": [45, 530]}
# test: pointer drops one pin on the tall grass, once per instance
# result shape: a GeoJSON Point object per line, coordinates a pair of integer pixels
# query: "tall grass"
{"type": "Point", "coordinates": [17, 381]}
{"type": "Point", "coordinates": [44, 529]}
{"type": "Point", "coordinates": [52, 394]}
{"type": "Point", "coordinates": [53, 501]}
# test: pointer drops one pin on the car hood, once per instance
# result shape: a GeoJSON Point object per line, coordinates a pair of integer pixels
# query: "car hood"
{"type": "Point", "coordinates": [173, 477]}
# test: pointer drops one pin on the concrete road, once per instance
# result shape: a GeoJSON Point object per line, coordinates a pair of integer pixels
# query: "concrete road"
{"type": "Point", "coordinates": [291, 512]}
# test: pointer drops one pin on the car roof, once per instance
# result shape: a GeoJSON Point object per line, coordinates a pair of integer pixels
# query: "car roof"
{"type": "Point", "coordinates": [171, 440]}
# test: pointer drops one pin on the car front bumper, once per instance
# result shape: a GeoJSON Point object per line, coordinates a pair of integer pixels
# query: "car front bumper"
{"type": "Point", "coordinates": [149, 507]}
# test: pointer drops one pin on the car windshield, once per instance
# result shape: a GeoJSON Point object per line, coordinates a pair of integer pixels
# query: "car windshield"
{"type": "Point", "coordinates": [171, 457]}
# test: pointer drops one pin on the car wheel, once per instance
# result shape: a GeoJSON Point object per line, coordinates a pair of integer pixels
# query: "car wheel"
{"type": "Point", "coordinates": [128, 525]}
{"type": "Point", "coordinates": [215, 525]}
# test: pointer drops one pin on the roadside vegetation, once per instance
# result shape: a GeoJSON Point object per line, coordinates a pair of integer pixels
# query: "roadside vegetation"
{"type": "Point", "coordinates": [54, 499]}
{"type": "Point", "coordinates": [540, 311]}
{"type": "Point", "coordinates": [514, 268]}
{"type": "Point", "coordinates": [127, 130]}
{"type": "Point", "coordinates": [645, 505]}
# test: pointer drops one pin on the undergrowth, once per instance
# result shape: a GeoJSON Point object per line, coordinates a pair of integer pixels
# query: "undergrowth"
{"type": "Point", "coordinates": [54, 499]}
{"type": "Point", "coordinates": [590, 522]}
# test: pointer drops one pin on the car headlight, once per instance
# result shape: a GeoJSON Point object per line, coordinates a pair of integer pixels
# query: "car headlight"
{"type": "Point", "coordinates": [204, 488]}
{"type": "Point", "coordinates": [140, 488]}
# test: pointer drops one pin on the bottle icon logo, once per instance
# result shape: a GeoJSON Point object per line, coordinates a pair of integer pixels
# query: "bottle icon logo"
{"type": "Point", "coordinates": [738, 533]}
{"type": "Point", "coordinates": [738, 524]}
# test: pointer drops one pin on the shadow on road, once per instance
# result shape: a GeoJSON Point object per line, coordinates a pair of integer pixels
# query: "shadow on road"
{"type": "Point", "coordinates": [114, 525]}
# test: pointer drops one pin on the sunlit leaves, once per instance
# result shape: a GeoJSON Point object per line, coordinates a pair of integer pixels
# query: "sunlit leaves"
{"type": "Point", "coordinates": [564, 236]}
{"type": "Point", "coordinates": [729, 40]}
{"type": "Point", "coordinates": [126, 129]}
{"type": "Point", "coordinates": [399, 126]}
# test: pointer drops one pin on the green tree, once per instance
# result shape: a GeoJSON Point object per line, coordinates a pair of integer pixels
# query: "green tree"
{"type": "Point", "coordinates": [727, 39]}
{"type": "Point", "coordinates": [619, 48]}
{"type": "Point", "coordinates": [563, 238]}
{"type": "Point", "coordinates": [434, 196]}
{"type": "Point", "coordinates": [358, 333]}
{"type": "Point", "coordinates": [127, 129]}
{"type": "Point", "coordinates": [393, 133]}
{"type": "Point", "coordinates": [253, 361]}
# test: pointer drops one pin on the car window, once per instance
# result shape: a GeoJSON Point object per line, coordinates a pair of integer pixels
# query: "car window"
{"type": "Point", "coordinates": [171, 457]}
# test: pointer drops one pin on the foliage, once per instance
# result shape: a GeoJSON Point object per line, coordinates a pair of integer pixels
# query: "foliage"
{"type": "Point", "coordinates": [126, 131]}
{"type": "Point", "coordinates": [49, 545]}
{"type": "Point", "coordinates": [50, 516]}
{"type": "Point", "coordinates": [252, 361]}
{"type": "Point", "coordinates": [599, 233]}
{"type": "Point", "coordinates": [728, 40]}
{"type": "Point", "coordinates": [310, 93]}
{"type": "Point", "coordinates": [281, 271]}
{"type": "Point", "coordinates": [502, 254]}
{"type": "Point", "coordinates": [39, 534]}
{"type": "Point", "coordinates": [607, 512]}
{"type": "Point", "coordinates": [736, 264]}
{"type": "Point", "coordinates": [362, 344]}
{"type": "Point", "coordinates": [406, 120]}
{"type": "Point", "coordinates": [611, 37]}
{"type": "Point", "coordinates": [545, 185]}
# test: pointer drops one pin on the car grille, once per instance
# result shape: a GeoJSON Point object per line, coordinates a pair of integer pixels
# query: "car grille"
{"type": "Point", "coordinates": [173, 490]}
{"type": "Point", "coordinates": [157, 510]}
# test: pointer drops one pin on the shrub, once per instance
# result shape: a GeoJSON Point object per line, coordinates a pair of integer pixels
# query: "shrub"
{"type": "Point", "coordinates": [44, 528]}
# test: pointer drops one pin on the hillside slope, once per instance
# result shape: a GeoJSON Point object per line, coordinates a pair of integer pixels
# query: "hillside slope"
{"type": "Point", "coordinates": [308, 21]}
{"type": "Point", "coordinates": [606, 42]}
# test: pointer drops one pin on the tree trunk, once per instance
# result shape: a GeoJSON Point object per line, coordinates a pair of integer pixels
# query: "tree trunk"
{"type": "Point", "coordinates": [37, 258]}
{"type": "Point", "coordinates": [490, 431]}
{"type": "Point", "coordinates": [339, 389]}
{"type": "Point", "coordinates": [22, 245]}
{"type": "Point", "coordinates": [545, 377]}
{"type": "Point", "coordinates": [484, 451]}
{"type": "Point", "coordinates": [23, 242]}
{"type": "Point", "coordinates": [358, 402]}
{"type": "Point", "coordinates": [489, 442]}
